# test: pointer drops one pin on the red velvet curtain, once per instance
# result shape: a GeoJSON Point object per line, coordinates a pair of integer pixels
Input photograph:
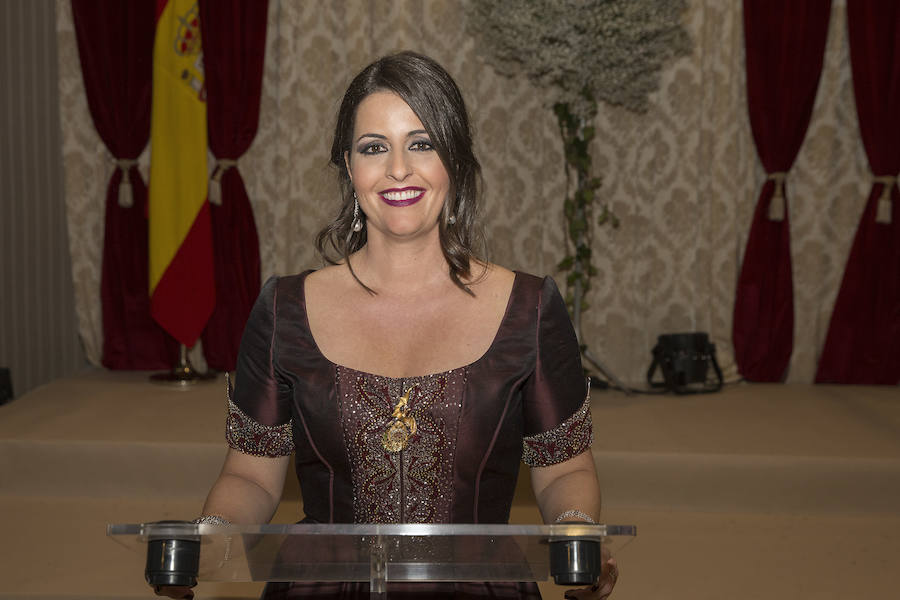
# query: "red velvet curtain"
{"type": "Point", "coordinates": [234, 42]}
{"type": "Point", "coordinates": [863, 342]}
{"type": "Point", "coordinates": [115, 46]}
{"type": "Point", "coordinates": [785, 44]}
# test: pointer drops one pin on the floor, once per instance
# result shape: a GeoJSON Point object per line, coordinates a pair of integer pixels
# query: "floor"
{"type": "Point", "coordinates": [759, 491]}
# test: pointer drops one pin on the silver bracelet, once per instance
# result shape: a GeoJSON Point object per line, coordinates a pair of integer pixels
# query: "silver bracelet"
{"type": "Point", "coordinates": [575, 513]}
{"type": "Point", "coordinates": [211, 520]}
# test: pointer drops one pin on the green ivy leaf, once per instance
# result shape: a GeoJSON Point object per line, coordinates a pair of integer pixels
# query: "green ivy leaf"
{"type": "Point", "coordinates": [576, 228]}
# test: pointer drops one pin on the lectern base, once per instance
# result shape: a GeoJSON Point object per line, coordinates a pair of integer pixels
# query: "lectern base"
{"type": "Point", "coordinates": [172, 561]}
{"type": "Point", "coordinates": [575, 562]}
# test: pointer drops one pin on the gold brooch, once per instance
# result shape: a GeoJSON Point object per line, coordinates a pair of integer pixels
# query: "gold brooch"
{"type": "Point", "coordinates": [401, 428]}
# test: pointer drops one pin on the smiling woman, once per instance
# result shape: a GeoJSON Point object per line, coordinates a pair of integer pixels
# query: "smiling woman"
{"type": "Point", "coordinates": [400, 182]}
{"type": "Point", "coordinates": [409, 377]}
{"type": "Point", "coordinates": [436, 104]}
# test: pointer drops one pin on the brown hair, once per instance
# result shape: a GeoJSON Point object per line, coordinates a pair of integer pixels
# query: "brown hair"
{"type": "Point", "coordinates": [435, 98]}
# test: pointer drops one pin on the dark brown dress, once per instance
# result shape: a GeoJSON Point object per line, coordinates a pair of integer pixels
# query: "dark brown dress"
{"type": "Point", "coordinates": [437, 448]}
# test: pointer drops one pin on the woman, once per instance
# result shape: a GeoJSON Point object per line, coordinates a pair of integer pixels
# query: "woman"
{"type": "Point", "coordinates": [409, 377]}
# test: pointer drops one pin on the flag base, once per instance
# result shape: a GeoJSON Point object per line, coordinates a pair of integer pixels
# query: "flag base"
{"type": "Point", "coordinates": [183, 374]}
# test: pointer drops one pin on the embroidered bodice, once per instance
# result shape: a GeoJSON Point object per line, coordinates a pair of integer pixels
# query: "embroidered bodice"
{"type": "Point", "coordinates": [431, 449]}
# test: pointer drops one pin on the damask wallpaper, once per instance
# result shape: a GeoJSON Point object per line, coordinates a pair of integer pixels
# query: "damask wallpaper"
{"type": "Point", "coordinates": [683, 178]}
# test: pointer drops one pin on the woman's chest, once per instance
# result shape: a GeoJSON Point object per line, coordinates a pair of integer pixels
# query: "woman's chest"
{"type": "Point", "coordinates": [402, 340]}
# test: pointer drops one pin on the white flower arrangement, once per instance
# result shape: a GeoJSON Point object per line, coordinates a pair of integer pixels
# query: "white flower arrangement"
{"type": "Point", "coordinates": [581, 52]}
{"type": "Point", "coordinates": [612, 49]}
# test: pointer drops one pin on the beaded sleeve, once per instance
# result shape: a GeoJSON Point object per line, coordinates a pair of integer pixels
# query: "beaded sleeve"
{"type": "Point", "coordinates": [250, 437]}
{"type": "Point", "coordinates": [570, 438]}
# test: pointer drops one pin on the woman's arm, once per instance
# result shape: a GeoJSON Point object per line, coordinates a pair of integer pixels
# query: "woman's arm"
{"type": "Point", "coordinates": [248, 489]}
{"type": "Point", "coordinates": [571, 488]}
{"type": "Point", "coordinates": [571, 485]}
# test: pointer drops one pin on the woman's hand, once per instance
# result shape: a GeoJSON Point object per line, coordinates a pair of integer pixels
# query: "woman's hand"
{"type": "Point", "coordinates": [604, 585]}
{"type": "Point", "coordinates": [179, 592]}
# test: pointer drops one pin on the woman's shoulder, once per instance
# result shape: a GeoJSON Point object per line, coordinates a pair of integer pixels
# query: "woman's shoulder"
{"type": "Point", "coordinates": [522, 283]}
{"type": "Point", "coordinates": [490, 281]}
{"type": "Point", "coordinates": [489, 273]}
{"type": "Point", "coordinates": [280, 291]}
{"type": "Point", "coordinates": [285, 284]}
{"type": "Point", "coordinates": [517, 281]}
{"type": "Point", "coordinates": [330, 280]}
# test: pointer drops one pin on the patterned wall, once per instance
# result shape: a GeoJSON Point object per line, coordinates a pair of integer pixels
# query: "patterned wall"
{"type": "Point", "coordinates": [683, 178]}
{"type": "Point", "coordinates": [38, 336]}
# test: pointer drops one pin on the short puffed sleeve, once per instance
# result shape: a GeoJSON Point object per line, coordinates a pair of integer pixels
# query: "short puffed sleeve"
{"type": "Point", "coordinates": [555, 398]}
{"type": "Point", "coordinates": [259, 415]}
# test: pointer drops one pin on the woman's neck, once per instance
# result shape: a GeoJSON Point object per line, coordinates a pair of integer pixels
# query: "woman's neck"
{"type": "Point", "coordinates": [388, 265]}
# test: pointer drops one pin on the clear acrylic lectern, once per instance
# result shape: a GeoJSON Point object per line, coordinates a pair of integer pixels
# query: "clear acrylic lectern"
{"type": "Point", "coordinates": [181, 553]}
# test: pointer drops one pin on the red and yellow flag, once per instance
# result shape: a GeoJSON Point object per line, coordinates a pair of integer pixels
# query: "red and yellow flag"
{"type": "Point", "coordinates": [182, 284]}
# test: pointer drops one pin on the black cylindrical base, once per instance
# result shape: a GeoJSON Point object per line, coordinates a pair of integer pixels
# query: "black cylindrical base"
{"type": "Point", "coordinates": [173, 561]}
{"type": "Point", "coordinates": [575, 562]}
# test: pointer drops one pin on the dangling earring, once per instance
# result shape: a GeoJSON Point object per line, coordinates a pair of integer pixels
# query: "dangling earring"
{"type": "Point", "coordinates": [451, 220]}
{"type": "Point", "coordinates": [357, 222]}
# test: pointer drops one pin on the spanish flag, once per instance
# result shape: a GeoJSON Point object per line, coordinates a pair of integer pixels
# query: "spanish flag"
{"type": "Point", "coordinates": [182, 285]}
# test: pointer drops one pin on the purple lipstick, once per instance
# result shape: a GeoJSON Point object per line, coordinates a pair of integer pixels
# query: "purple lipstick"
{"type": "Point", "coordinates": [398, 197]}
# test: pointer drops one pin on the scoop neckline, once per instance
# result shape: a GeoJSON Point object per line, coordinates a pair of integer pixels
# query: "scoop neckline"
{"type": "Point", "coordinates": [315, 344]}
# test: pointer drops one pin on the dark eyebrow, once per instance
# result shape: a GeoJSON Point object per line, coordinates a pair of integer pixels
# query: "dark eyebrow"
{"type": "Point", "coordinates": [371, 135]}
{"type": "Point", "coordinates": [382, 137]}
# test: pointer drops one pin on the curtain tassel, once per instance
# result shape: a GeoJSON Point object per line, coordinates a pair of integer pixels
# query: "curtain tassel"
{"type": "Point", "coordinates": [215, 181]}
{"type": "Point", "coordinates": [126, 193]}
{"type": "Point", "coordinates": [777, 203]}
{"type": "Point", "coordinates": [883, 212]}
